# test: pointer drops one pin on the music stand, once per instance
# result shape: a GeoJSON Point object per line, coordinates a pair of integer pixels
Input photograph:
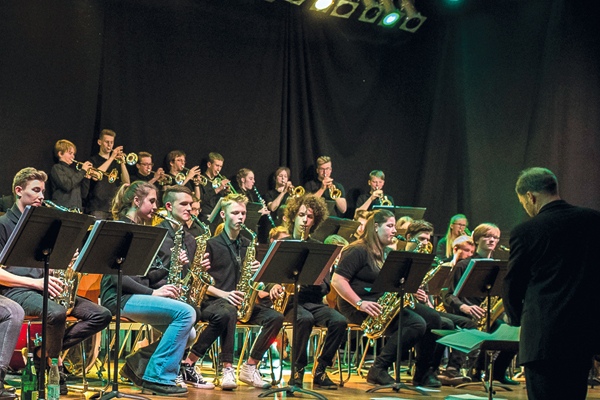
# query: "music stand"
{"type": "Point", "coordinates": [402, 272]}
{"type": "Point", "coordinates": [112, 247]}
{"type": "Point", "coordinates": [403, 211]}
{"type": "Point", "coordinates": [336, 226]}
{"type": "Point", "coordinates": [300, 263]}
{"type": "Point", "coordinates": [42, 232]}
{"type": "Point", "coordinates": [253, 216]}
{"type": "Point", "coordinates": [439, 280]}
{"type": "Point", "coordinates": [483, 278]}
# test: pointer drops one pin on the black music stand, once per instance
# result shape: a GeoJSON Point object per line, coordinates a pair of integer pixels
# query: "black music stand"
{"type": "Point", "coordinates": [403, 211]}
{"type": "Point", "coordinates": [253, 215]}
{"type": "Point", "coordinates": [483, 278]}
{"type": "Point", "coordinates": [300, 263]}
{"type": "Point", "coordinates": [439, 281]}
{"type": "Point", "coordinates": [112, 247]}
{"type": "Point", "coordinates": [336, 226]}
{"type": "Point", "coordinates": [42, 232]}
{"type": "Point", "coordinates": [402, 272]}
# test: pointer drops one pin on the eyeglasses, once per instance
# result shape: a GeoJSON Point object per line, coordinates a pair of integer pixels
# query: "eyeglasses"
{"type": "Point", "coordinates": [491, 237]}
{"type": "Point", "coordinates": [324, 169]}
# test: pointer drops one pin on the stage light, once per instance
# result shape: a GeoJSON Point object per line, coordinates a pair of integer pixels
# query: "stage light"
{"type": "Point", "coordinates": [296, 2]}
{"type": "Point", "coordinates": [391, 15]}
{"type": "Point", "coordinates": [372, 11]}
{"type": "Point", "coordinates": [411, 19]}
{"type": "Point", "coordinates": [344, 8]}
{"type": "Point", "coordinates": [322, 5]}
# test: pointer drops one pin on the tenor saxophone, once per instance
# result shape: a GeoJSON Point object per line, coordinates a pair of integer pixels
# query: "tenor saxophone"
{"type": "Point", "coordinates": [70, 283]}
{"type": "Point", "coordinates": [246, 283]}
{"type": "Point", "coordinates": [175, 276]}
{"type": "Point", "coordinates": [200, 279]}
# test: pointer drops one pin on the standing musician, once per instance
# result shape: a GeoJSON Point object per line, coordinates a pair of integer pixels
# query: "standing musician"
{"type": "Point", "coordinates": [143, 170]}
{"type": "Point", "coordinates": [26, 285]}
{"type": "Point", "coordinates": [355, 274]}
{"type": "Point", "coordinates": [486, 237]}
{"type": "Point", "coordinates": [303, 216]}
{"type": "Point", "coordinates": [153, 368]}
{"type": "Point", "coordinates": [69, 185]}
{"type": "Point", "coordinates": [375, 197]}
{"type": "Point", "coordinates": [457, 227]}
{"type": "Point", "coordinates": [278, 197]}
{"type": "Point", "coordinates": [227, 255]}
{"type": "Point", "coordinates": [326, 187]}
{"type": "Point", "coordinates": [102, 191]}
{"type": "Point", "coordinates": [551, 288]}
{"type": "Point", "coordinates": [11, 318]}
{"type": "Point", "coordinates": [247, 185]}
{"type": "Point", "coordinates": [176, 161]}
{"type": "Point", "coordinates": [214, 188]}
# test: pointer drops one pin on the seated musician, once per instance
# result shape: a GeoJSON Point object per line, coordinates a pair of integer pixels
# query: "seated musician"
{"type": "Point", "coordinates": [457, 227]}
{"type": "Point", "coordinates": [366, 201]}
{"type": "Point", "coordinates": [303, 216]}
{"type": "Point", "coordinates": [154, 368]}
{"type": "Point", "coordinates": [11, 318]}
{"type": "Point", "coordinates": [324, 186]}
{"type": "Point", "coordinates": [143, 170]}
{"type": "Point", "coordinates": [25, 285]}
{"type": "Point", "coordinates": [278, 197]}
{"type": "Point", "coordinates": [227, 255]}
{"type": "Point", "coordinates": [486, 237]}
{"type": "Point", "coordinates": [216, 186]}
{"type": "Point", "coordinates": [192, 225]}
{"type": "Point", "coordinates": [355, 274]}
{"type": "Point", "coordinates": [69, 185]}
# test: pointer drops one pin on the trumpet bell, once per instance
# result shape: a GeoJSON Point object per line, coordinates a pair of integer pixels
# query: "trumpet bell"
{"type": "Point", "coordinates": [131, 159]}
{"type": "Point", "coordinates": [297, 191]}
{"type": "Point", "coordinates": [335, 193]}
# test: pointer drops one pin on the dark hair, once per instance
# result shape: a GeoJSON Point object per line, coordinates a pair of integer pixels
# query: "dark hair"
{"type": "Point", "coordinates": [370, 239]}
{"type": "Point", "coordinates": [537, 179]}
{"type": "Point", "coordinates": [171, 191]}
{"type": "Point", "coordinates": [27, 174]}
{"type": "Point", "coordinates": [173, 154]}
{"type": "Point", "coordinates": [419, 226]}
{"type": "Point", "coordinates": [123, 200]}
{"type": "Point", "coordinates": [317, 204]}
{"type": "Point", "coordinates": [242, 173]}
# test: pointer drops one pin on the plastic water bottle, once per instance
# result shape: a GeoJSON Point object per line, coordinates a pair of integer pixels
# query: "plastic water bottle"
{"type": "Point", "coordinates": [29, 389]}
{"type": "Point", "coordinates": [53, 381]}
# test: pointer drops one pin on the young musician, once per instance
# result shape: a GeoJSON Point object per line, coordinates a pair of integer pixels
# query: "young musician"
{"type": "Point", "coordinates": [69, 185]}
{"type": "Point", "coordinates": [227, 255]}
{"type": "Point", "coordinates": [143, 170]}
{"type": "Point", "coordinates": [486, 236]}
{"type": "Point", "coordinates": [11, 318]}
{"type": "Point", "coordinates": [457, 227]}
{"type": "Point", "coordinates": [144, 299]}
{"type": "Point", "coordinates": [551, 287]}
{"type": "Point", "coordinates": [214, 188]}
{"type": "Point", "coordinates": [192, 226]}
{"type": "Point", "coordinates": [355, 274]}
{"type": "Point", "coordinates": [325, 185]}
{"type": "Point", "coordinates": [303, 216]}
{"type": "Point", "coordinates": [102, 191]}
{"type": "Point", "coordinates": [278, 197]}
{"type": "Point", "coordinates": [176, 161]}
{"type": "Point", "coordinates": [25, 285]}
{"type": "Point", "coordinates": [375, 195]}
{"type": "Point", "coordinates": [247, 185]}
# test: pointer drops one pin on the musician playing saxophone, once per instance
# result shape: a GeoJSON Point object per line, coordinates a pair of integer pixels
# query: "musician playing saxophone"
{"type": "Point", "coordinates": [25, 285]}
{"type": "Point", "coordinates": [227, 253]}
{"type": "Point", "coordinates": [375, 197]}
{"type": "Point", "coordinates": [303, 215]}
{"type": "Point", "coordinates": [486, 237]}
{"type": "Point", "coordinates": [324, 186]}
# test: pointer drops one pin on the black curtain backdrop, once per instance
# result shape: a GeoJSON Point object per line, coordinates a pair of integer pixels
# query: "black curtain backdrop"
{"type": "Point", "coordinates": [451, 113]}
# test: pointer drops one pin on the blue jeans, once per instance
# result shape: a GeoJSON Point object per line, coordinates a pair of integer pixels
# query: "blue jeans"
{"type": "Point", "coordinates": [11, 319]}
{"type": "Point", "coordinates": [175, 320]}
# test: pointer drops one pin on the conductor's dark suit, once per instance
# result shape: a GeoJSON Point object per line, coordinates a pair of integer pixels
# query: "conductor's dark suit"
{"type": "Point", "coordinates": [552, 285]}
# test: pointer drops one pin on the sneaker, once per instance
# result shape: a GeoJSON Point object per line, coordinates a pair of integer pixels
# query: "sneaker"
{"type": "Point", "coordinates": [377, 376]}
{"type": "Point", "coordinates": [322, 380]}
{"type": "Point", "coordinates": [179, 381]}
{"type": "Point", "coordinates": [250, 376]}
{"type": "Point", "coordinates": [298, 379]}
{"type": "Point", "coordinates": [452, 377]}
{"type": "Point", "coordinates": [229, 381]}
{"type": "Point", "coordinates": [163, 390]}
{"type": "Point", "coordinates": [189, 374]}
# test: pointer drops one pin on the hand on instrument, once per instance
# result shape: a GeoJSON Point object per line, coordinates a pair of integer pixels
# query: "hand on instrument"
{"type": "Point", "coordinates": [264, 211]}
{"type": "Point", "coordinates": [377, 194]}
{"type": "Point", "coordinates": [276, 292]}
{"type": "Point", "coordinates": [86, 166]}
{"type": "Point", "coordinates": [55, 285]}
{"type": "Point", "coordinates": [327, 182]}
{"type": "Point", "coordinates": [159, 173]}
{"type": "Point", "coordinates": [287, 186]}
{"type": "Point", "coordinates": [117, 153]}
{"type": "Point", "coordinates": [255, 265]}
{"type": "Point", "coordinates": [205, 262]}
{"type": "Point", "coordinates": [192, 172]}
{"type": "Point", "coordinates": [235, 297]}
{"type": "Point", "coordinates": [421, 296]}
{"type": "Point", "coordinates": [474, 311]}
{"type": "Point", "coordinates": [370, 307]}
{"type": "Point", "coordinates": [183, 257]}
{"type": "Point", "coordinates": [169, 291]}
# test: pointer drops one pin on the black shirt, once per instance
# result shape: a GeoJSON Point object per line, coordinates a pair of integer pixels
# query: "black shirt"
{"type": "Point", "coordinates": [314, 186]}
{"type": "Point", "coordinates": [226, 260]}
{"type": "Point", "coordinates": [102, 192]}
{"type": "Point", "coordinates": [68, 186]}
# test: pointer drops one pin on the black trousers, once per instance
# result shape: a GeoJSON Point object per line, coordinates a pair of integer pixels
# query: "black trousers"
{"type": "Point", "coordinates": [554, 379]}
{"type": "Point", "coordinates": [91, 318]}
{"type": "Point", "coordinates": [316, 314]}
{"type": "Point", "coordinates": [451, 321]}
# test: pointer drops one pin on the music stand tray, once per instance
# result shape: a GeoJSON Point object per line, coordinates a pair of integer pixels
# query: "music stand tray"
{"type": "Point", "coordinates": [403, 211]}
{"type": "Point", "coordinates": [336, 226]}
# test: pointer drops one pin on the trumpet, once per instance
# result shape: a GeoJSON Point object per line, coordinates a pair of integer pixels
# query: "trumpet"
{"type": "Point", "coordinates": [95, 173]}
{"type": "Point", "coordinates": [384, 201]}
{"type": "Point", "coordinates": [129, 159]}
{"type": "Point", "coordinates": [334, 192]}
{"type": "Point", "coordinates": [198, 179]}
{"type": "Point", "coordinates": [296, 191]}
{"type": "Point", "coordinates": [217, 182]}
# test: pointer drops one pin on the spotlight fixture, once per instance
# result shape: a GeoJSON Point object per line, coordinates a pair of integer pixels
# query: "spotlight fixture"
{"type": "Point", "coordinates": [322, 5]}
{"type": "Point", "coordinates": [391, 15]}
{"type": "Point", "coordinates": [372, 11]}
{"type": "Point", "coordinates": [296, 2]}
{"type": "Point", "coordinates": [411, 19]}
{"type": "Point", "coordinates": [344, 8]}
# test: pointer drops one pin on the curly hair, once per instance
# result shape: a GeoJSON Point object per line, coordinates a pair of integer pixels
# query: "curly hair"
{"type": "Point", "coordinates": [317, 204]}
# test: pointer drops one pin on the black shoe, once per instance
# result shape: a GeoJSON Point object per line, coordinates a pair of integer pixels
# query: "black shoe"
{"type": "Point", "coordinates": [452, 377]}
{"type": "Point", "coordinates": [322, 380]}
{"type": "Point", "coordinates": [127, 372]}
{"type": "Point", "coordinates": [163, 390]}
{"type": "Point", "coordinates": [64, 390]}
{"type": "Point", "coordinates": [5, 390]}
{"type": "Point", "coordinates": [426, 380]}
{"type": "Point", "coordinates": [505, 380]}
{"type": "Point", "coordinates": [377, 376]}
{"type": "Point", "coordinates": [298, 379]}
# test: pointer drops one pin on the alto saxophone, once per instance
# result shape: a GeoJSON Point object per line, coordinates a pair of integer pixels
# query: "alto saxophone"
{"type": "Point", "coordinates": [70, 283]}
{"type": "Point", "coordinates": [175, 276]}
{"type": "Point", "coordinates": [496, 311]}
{"type": "Point", "coordinates": [201, 280]}
{"type": "Point", "coordinates": [246, 283]}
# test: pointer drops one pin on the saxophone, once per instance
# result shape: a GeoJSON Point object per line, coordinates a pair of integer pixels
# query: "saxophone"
{"type": "Point", "coordinates": [496, 311]}
{"type": "Point", "coordinates": [70, 283]}
{"type": "Point", "coordinates": [201, 280]}
{"type": "Point", "coordinates": [246, 283]}
{"type": "Point", "coordinates": [176, 268]}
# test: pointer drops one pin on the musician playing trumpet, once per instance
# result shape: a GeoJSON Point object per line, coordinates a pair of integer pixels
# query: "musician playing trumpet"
{"type": "Point", "coordinates": [326, 187]}
{"type": "Point", "coordinates": [375, 197]}
{"type": "Point", "coordinates": [216, 186]}
{"type": "Point", "coordinates": [144, 171]}
{"type": "Point", "coordinates": [278, 197]}
{"type": "Point", "coordinates": [69, 184]}
{"type": "Point", "coordinates": [176, 160]}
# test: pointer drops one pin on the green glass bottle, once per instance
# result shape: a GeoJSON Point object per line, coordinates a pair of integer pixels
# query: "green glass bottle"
{"type": "Point", "coordinates": [29, 382]}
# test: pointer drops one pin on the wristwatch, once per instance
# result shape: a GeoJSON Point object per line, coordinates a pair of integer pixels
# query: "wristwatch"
{"type": "Point", "coordinates": [358, 304]}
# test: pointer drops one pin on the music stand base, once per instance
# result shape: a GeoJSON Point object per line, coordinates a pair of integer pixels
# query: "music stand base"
{"type": "Point", "coordinates": [290, 390]}
{"type": "Point", "coordinates": [115, 393]}
{"type": "Point", "coordinates": [396, 387]}
{"type": "Point", "coordinates": [486, 386]}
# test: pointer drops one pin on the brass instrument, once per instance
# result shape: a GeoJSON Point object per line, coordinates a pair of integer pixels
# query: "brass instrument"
{"type": "Point", "coordinates": [496, 311]}
{"type": "Point", "coordinates": [246, 283]}
{"type": "Point", "coordinates": [296, 191]}
{"type": "Point", "coordinates": [198, 179]}
{"type": "Point", "coordinates": [113, 176]}
{"type": "Point", "coordinates": [165, 180]}
{"type": "Point", "coordinates": [216, 182]}
{"type": "Point", "coordinates": [334, 192]}
{"type": "Point", "coordinates": [281, 302]}
{"type": "Point", "coordinates": [95, 173]}
{"type": "Point", "coordinates": [384, 201]}
{"type": "Point", "coordinates": [200, 279]}
{"type": "Point", "coordinates": [129, 159]}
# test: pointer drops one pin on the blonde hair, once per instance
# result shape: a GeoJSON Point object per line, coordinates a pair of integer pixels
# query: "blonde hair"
{"type": "Point", "coordinates": [25, 175]}
{"type": "Point", "coordinates": [62, 146]}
